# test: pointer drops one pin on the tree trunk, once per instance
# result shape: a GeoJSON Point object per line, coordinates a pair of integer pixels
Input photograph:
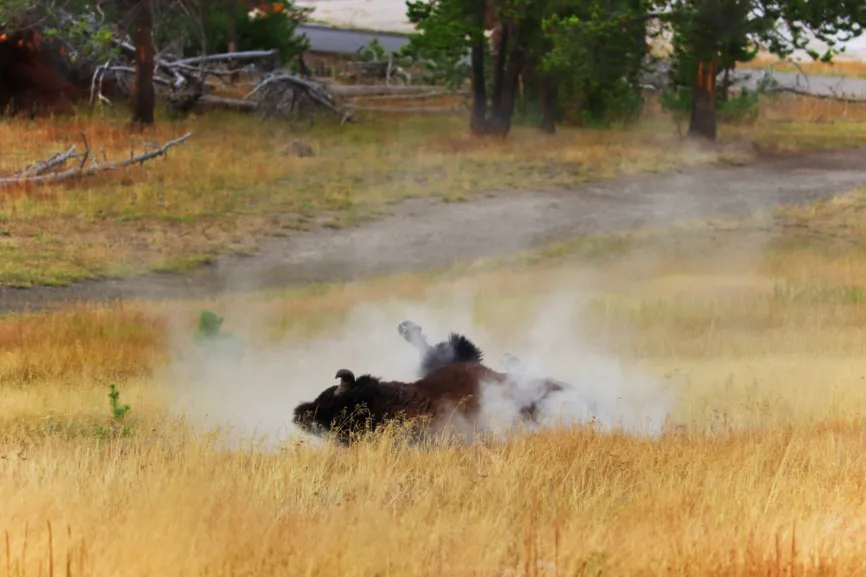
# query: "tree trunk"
{"type": "Point", "coordinates": [478, 121]}
{"type": "Point", "coordinates": [499, 67]}
{"type": "Point", "coordinates": [703, 115]}
{"type": "Point", "coordinates": [144, 97]}
{"type": "Point", "coordinates": [504, 108]}
{"type": "Point", "coordinates": [232, 7]}
{"type": "Point", "coordinates": [548, 88]}
{"type": "Point", "coordinates": [726, 84]}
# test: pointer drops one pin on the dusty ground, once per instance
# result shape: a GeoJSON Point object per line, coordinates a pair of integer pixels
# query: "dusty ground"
{"type": "Point", "coordinates": [423, 234]}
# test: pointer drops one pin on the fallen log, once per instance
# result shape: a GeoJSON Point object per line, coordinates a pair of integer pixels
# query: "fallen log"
{"type": "Point", "coordinates": [373, 90]}
{"type": "Point", "coordinates": [54, 177]}
{"type": "Point", "coordinates": [412, 109]}
{"type": "Point", "coordinates": [818, 95]}
{"type": "Point", "coordinates": [235, 104]}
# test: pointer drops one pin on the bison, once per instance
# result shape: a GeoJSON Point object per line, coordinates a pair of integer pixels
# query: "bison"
{"type": "Point", "coordinates": [449, 395]}
{"type": "Point", "coordinates": [450, 392]}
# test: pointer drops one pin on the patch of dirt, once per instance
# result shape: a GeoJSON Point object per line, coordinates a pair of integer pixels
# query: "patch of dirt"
{"type": "Point", "coordinates": [424, 234]}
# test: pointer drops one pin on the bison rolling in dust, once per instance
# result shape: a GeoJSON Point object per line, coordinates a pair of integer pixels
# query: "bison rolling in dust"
{"type": "Point", "coordinates": [458, 349]}
{"type": "Point", "coordinates": [450, 395]}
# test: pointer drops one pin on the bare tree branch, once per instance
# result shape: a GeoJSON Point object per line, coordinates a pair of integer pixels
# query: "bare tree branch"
{"type": "Point", "coordinates": [248, 55]}
{"type": "Point", "coordinates": [832, 97]}
{"type": "Point", "coordinates": [43, 166]}
{"type": "Point", "coordinates": [81, 171]}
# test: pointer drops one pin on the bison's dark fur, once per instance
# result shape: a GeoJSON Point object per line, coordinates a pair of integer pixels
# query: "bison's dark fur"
{"type": "Point", "coordinates": [366, 403]}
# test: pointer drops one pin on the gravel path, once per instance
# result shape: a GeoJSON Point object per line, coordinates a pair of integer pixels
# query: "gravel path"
{"type": "Point", "coordinates": [423, 234]}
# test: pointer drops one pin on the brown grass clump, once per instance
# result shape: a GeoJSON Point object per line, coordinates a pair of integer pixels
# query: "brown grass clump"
{"type": "Point", "coordinates": [758, 321]}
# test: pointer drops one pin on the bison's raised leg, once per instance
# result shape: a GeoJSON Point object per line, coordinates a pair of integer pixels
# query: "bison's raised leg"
{"type": "Point", "coordinates": [512, 364]}
{"type": "Point", "coordinates": [413, 335]}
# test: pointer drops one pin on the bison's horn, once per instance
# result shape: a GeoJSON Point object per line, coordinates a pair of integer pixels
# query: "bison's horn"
{"type": "Point", "coordinates": [345, 375]}
{"type": "Point", "coordinates": [347, 380]}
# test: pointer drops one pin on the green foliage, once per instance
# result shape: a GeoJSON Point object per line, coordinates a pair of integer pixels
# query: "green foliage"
{"type": "Point", "coordinates": [271, 26]}
{"type": "Point", "coordinates": [10, 12]}
{"type": "Point", "coordinates": [209, 324]}
{"type": "Point", "coordinates": [116, 427]}
{"type": "Point", "coordinates": [91, 43]}
{"type": "Point", "coordinates": [373, 52]}
{"type": "Point", "coordinates": [84, 33]}
{"type": "Point", "coordinates": [209, 337]}
{"type": "Point", "coordinates": [443, 38]}
{"type": "Point", "coordinates": [597, 53]}
{"type": "Point", "coordinates": [729, 31]}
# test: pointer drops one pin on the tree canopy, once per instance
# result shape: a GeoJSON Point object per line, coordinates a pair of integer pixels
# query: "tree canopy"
{"type": "Point", "coordinates": [590, 53]}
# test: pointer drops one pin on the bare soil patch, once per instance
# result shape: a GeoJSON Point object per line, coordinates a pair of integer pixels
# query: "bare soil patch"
{"type": "Point", "coordinates": [423, 234]}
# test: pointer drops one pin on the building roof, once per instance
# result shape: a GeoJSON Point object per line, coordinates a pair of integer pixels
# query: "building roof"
{"type": "Point", "coordinates": [327, 40]}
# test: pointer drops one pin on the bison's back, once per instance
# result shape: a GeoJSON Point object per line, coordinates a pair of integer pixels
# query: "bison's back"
{"type": "Point", "coordinates": [458, 385]}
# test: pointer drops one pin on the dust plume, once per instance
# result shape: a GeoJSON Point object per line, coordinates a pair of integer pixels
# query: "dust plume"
{"type": "Point", "coordinates": [251, 389]}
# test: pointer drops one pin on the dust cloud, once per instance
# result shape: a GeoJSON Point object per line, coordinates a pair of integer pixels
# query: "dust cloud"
{"type": "Point", "coordinates": [249, 390]}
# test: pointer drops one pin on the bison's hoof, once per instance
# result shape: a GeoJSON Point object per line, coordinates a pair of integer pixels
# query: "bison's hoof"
{"type": "Point", "coordinates": [511, 363]}
{"type": "Point", "coordinates": [407, 329]}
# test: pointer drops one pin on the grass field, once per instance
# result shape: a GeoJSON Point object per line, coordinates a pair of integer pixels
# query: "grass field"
{"type": "Point", "coordinates": [839, 67]}
{"type": "Point", "coordinates": [749, 332]}
{"type": "Point", "coordinates": [218, 193]}
{"type": "Point", "coordinates": [755, 324]}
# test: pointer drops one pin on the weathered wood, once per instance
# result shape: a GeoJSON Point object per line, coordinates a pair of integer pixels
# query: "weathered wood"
{"type": "Point", "coordinates": [94, 168]}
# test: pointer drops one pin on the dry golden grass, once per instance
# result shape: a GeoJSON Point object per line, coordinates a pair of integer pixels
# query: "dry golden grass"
{"type": "Point", "coordinates": [759, 320]}
{"type": "Point", "coordinates": [231, 183]}
{"type": "Point", "coordinates": [839, 67]}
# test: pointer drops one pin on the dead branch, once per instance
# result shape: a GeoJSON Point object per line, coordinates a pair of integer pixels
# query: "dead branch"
{"type": "Point", "coordinates": [130, 70]}
{"type": "Point", "coordinates": [94, 168]}
{"type": "Point", "coordinates": [412, 109]}
{"type": "Point", "coordinates": [373, 90]}
{"type": "Point", "coordinates": [43, 166]}
{"type": "Point", "coordinates": [235, 104]}
{"type": "Point", "coordinates": [410, 97]}
{"type": "Point", "coordinates": [832, 97]}
{"type": "Point", "coordinates": [248, 55]}
{"type": "Point", "coordinates": [278, 87]}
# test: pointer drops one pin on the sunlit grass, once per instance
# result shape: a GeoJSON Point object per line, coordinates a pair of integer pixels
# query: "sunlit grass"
{"type": "Point", "coordinates": [838, 67]}
{"type": "Point", "coordinates": [758, 323]}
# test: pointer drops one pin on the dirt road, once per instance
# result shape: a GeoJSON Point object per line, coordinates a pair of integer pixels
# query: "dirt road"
{"type": "Point", "coordinates": [423, 234]}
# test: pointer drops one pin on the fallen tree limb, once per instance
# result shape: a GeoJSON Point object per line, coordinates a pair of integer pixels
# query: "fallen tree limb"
{"type": "Point", "coordinates": [412, 109]}
{"type": "Point", "coordinates": [235, 104]}
{"type": "Point", "coordinates": [228, 56]}
{"type": "Point", "coordinates": [43, 166]}
{"type": "Point", "coordinates": [833, 97]}
{"type": "Point", "coordinates": [410, 97]}
{"type": "Point", "coordinates": [94, 168]}
{"type": "Point", "coordinates": [373, 90]}
{"type": "Point", "coordinates": [274, 93]}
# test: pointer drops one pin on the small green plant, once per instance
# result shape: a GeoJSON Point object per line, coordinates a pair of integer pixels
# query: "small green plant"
{"type": "Point", "coordinates": [210, 337]}
{"type": "Point", "coordinates": [118, 415]}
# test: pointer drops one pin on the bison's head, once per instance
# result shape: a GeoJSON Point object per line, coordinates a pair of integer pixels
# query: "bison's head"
{"type": "Point", "coordinates": [319, 416]}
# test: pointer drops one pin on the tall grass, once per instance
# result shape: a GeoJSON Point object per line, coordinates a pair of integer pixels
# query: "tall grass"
{"type": "Point", "coordinates": [760, 471]}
